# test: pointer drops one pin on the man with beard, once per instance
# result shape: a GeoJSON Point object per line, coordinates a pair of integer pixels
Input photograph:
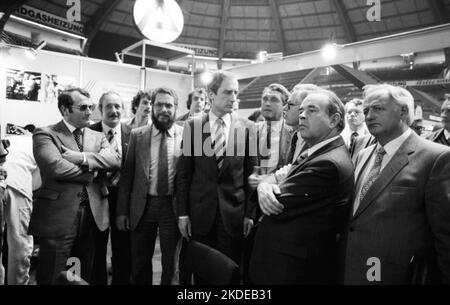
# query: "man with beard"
{"type": "Point", "coordinates": [442, 136]}
{"type": "Point", "coordinates": [118, 135]}
{"type": "Point", "coordinates": [146, 190]}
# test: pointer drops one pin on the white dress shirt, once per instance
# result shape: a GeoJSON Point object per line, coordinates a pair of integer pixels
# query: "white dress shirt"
{"type": "Point", "coordinates": [117, 131]}
{"type": "Point", "coordinates": [447, 135]}
{"type": "Point", "coordinates": [390, 148]}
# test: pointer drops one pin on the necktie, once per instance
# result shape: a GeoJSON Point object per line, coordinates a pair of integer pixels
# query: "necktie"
{"type": "Point", "coordinates": [219, 143]}
{"type": "Point", "coordinates": [77, 133]}
{"type": "Point", "coordinates": [113, 177]}
{"type": "Point", "coordinates": [293, 147]}
{"type": "Point", "coordinates": [373, 174]}
{"type": "Point", "coordinates": [162, 186]}
{"type": "Point", "coordinates": [352, 142]}
{"type": "Point", "coordinates": [265, 150]}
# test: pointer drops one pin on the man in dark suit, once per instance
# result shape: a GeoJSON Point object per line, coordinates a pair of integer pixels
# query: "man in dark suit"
{"type": "Point", "coordinates": [216, 161]}
{"type": "Point", "coordinates": [146, 203]}
{"type": "Point", "coordinates": [401, 210]}
{"type": "Point", "coordinates": [304, 213]}
{"type": "Point", "coordinates": [195, 104]}
{"type": "Point", "coordinates": [118, 135]}
{"type": "Point", "coordinates": [442, 136]}
{"type": "Point", "coordinates": [70, 206]}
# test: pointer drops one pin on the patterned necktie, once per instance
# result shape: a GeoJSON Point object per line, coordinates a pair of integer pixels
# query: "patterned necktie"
{"type": "Point", "coordinates": [219, 142]}
{"type": "Point", "coordinates": [162, 186]}
{"type": "Point", "coordinates": [113, 177]}
{"type": "Point", "coordinates": [373, 174]}
{"type": "Point", "coordinates": [293, 147]}
{"type": "Point", "coordinates": [77, 133]}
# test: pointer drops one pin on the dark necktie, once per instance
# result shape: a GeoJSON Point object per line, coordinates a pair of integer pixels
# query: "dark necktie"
{"type": "Point", "coordinates": [293, 147]}
{"type": "Point", "coordinates": [113, 177]}
{"type": "Point", "coordinates": [352, 141]}
{"type": "Point", "coordinates": [77, 133]}
{"type": "Point", "coordinates": [110, 136]}
{"type": "Point", "coordinates": [162, 186]}
{"type": "Point", "coordinates": [265, 150]}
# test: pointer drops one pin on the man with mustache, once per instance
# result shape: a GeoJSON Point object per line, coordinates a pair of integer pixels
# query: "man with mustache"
{"type": "Point", "coordinates": [146, 192]}
{"type": "Point", "coordinates": [118, 135]}
{"type": "Point", "coordinates": [141, 108]}
{"type": "Point", "coordinates": [70, 207]}
{"type": "Point", "coordinates": [442, 136]}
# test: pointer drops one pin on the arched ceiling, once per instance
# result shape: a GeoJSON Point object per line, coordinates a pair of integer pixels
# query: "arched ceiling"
{"type": "Point", "coordinates": [242, 28]}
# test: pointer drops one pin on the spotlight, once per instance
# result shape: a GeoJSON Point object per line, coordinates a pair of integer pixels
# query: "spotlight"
{"type": "Point", "coordinates": [329, 51]}
{"type": "Point", "coordinates": [206, 77]}
{"type": "Point", "coordinates": [32, 52]}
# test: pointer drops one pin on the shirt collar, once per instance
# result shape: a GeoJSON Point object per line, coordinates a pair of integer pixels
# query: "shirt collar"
{"type": "Point", "coordinates": [171, 131]}
{"type": "Point", "coordinates": [106, 128]}
{"type": "Point", "coordinates": [226, 119]}
{"type": "Point", "coordinates": [446, 134]}
{"type": "Point", "coordinates": [276, 125]}
{"type": "Point", "coordinates": [320, 145]}
{"type": "Point", "coordinates": [71, 127]}
{"type": "Point", "coordinates": [392, 147]}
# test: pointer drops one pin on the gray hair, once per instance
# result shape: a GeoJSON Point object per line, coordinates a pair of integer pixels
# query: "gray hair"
{"type": "Point", "coordinates": [398, 95]}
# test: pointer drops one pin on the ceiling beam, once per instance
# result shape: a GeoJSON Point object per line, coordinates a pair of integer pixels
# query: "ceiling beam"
{"type": "Point", "coordinates": [440, 11]}
{"type": "Point", "coordinates": [223, 25]}
{"type": "Point", "coordinates": [8, 7]}
{"type": "Point", "coordinates": [341, 11]}
{"type": "Point", "coordinates": [278, 25]}
{"type": "Point", "coordinates": [96, 21]}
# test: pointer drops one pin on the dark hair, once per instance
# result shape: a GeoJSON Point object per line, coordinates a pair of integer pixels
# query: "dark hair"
{"type": "Point", "coordinates": [30, 128]}
{"type": "Point", "coordinates": [165, 90]}
{"type": "Point", "coordinates": [104, 95]}
{"type": "Point", "coordinates": [255, 115]}
{"type": "Point", "coordinates": [137, 99]}
{"type": "Point", "coordinates": [335, 105]}
{"type": "Point", "coordinates": [65, 98]}
{"type": "Point", "coordinates": [285, 94]}
{"type": "Point", "coordinates": [217, 80]}
{"type": "Point", "coordinates": [191, 94]}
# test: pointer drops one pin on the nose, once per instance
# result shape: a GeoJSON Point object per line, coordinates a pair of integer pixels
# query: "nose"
{"type": "Point", "coordinates": [301, 115]}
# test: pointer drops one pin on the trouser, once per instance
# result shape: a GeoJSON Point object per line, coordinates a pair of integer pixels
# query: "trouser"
{"type": "Point", "coordinates": [120, 248]}
{"type": "Point", "coordinates": [78, 244]}
{"type": "Point", "coordinates": [17, 213]}
{"type": "Point", "coordinates": [158, 214]}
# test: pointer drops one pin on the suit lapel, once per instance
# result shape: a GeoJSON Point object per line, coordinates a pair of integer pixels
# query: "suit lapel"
{"type": "Point", "coordinates": [207, 140]}
{"type": "Point", "coordinates": [361, 165]}
{"type": "Point", "coordinates": [66, 137]}
{"type": "Point", "coordinates": [89, 139]}
{"type": "Point", "coordinates": [144, 149]}
{"type": "Point", "coordinates": [230, 144]}
{"type": "Point", "coordinates": [395, 165]}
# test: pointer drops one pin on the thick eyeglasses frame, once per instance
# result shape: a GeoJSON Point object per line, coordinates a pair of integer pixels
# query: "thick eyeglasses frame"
{"type": "Point", "coordinates": [84, 108]}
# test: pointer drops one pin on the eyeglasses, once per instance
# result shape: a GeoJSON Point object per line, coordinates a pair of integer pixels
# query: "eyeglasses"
{"type": "Point", "coordinates": [85, 107]}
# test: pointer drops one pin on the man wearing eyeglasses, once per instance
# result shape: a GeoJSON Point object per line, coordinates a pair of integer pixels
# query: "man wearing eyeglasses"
{"type": "Point", "coordinates": [70, 203]}
{"type": "Point", "coordinates": [442, 136]}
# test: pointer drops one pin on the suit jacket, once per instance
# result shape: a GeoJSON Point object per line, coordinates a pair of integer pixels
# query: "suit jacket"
{"type": "Point", "coordinates": [284, 146]}
{"type": "Point", "coordinates": [57, 201]}
{"type": "Point", "coordinates": [405, 214]}
{"type": "Point", "coordinates": [439, 137]}
{"type": "Point", "coordinates": [299, 246]}
{"type": "Point", "coordinates": [361, 143]}
{"type": "Point", "coordinates": [203, 189]}
{"type": "Point", "coordinates": [135, 177]}
{"type": "Point", "coordinates": [183, 117]}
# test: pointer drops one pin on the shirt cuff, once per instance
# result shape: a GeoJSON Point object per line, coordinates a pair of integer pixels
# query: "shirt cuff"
{"type": "Point", "coordinates": [183, 217]}
{"type": "Point", "coordinates": [84, 159]}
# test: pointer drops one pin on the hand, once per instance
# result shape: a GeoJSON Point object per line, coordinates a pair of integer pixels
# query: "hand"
{"type": "Point", "coordinates": [74, 157]}
{"type": "Point", "coordinates": [254, 180]}
{"type": "Point", "coordinates": [267, 201]}
{"type": "Point", "coordinates": [123, 223]}
{"type": "Point", "coordinates": [184, 225]}
{"type": "Point", "coordinates": [248, 226]}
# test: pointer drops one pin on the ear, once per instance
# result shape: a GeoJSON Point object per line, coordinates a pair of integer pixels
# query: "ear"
{"type": "Point", "coordinates": [335, 119]}
{"type": "Point", "coordinates": [211, 96]}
